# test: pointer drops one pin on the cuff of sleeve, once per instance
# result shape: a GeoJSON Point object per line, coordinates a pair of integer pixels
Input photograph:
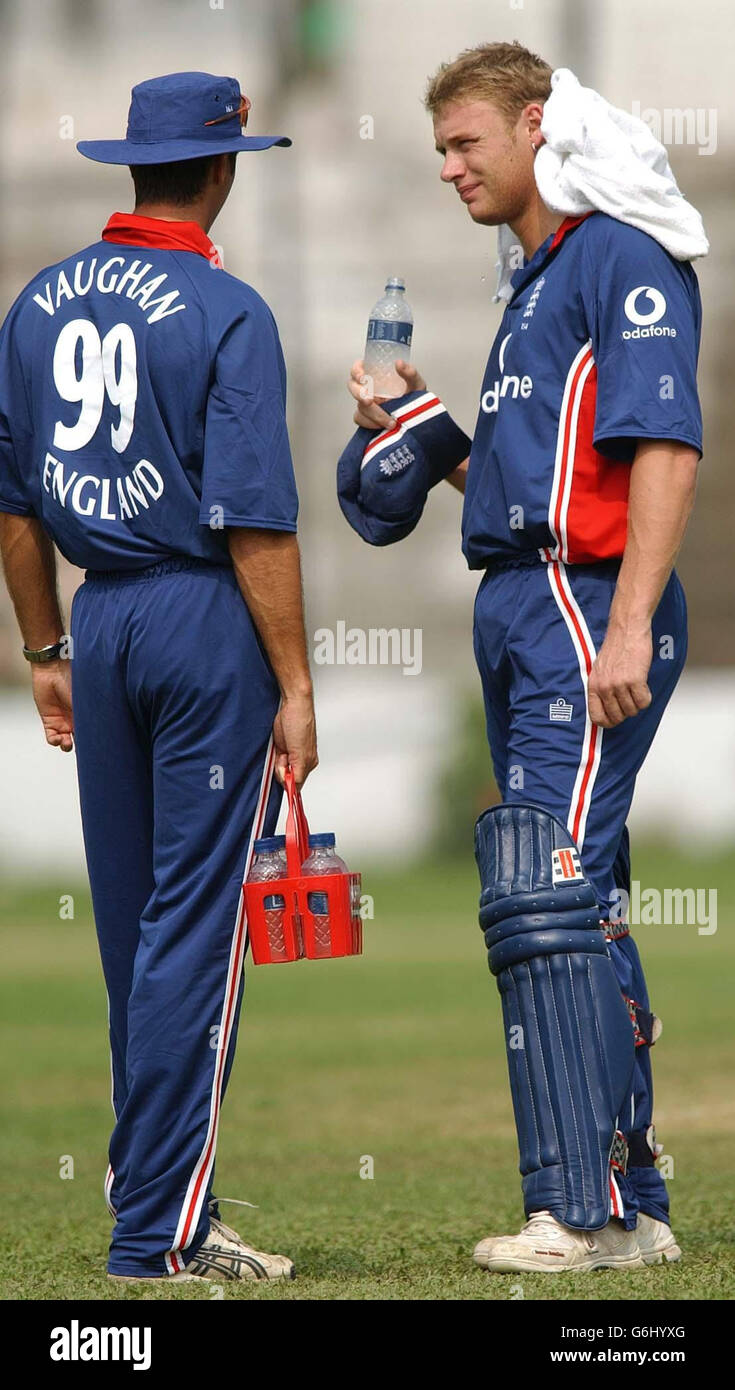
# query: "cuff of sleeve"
{"type": "Point", "coordinates": [16, 509]}
{"type": "Point", "coordinates": [256, 523]}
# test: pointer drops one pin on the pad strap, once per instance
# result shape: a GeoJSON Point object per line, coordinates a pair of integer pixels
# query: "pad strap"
{"type": "Point", "coordinates": [614, 931]}
{"type": "Point", "coordinates": [619, 1153]}
{"type": "Point", "coordinates": [647, 1028]}
{"type": "Point", "coordinates": [643, 1149]}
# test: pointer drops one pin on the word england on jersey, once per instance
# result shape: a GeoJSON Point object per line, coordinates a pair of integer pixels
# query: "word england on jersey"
{"type": "Point", "coordinates": [107, 279]}
{"type": "Point", "coordinates": [89, 495]}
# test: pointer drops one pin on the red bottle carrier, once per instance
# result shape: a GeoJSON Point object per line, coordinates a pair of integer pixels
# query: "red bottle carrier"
{"type": "Point", "coordinates": [303, 935]}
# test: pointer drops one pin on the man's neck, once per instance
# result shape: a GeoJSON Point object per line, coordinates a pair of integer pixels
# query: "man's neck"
{"type": "Point", "coordinates": [167, 212]}
{"type": "Point", "coordinates": [534, 225]}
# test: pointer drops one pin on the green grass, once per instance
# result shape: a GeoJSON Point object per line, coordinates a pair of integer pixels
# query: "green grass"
{"type": "Point", "coordinates": [398, 1055]}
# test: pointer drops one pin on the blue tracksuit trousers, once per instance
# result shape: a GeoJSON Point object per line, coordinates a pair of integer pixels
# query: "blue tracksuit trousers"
{"type": "Point", "coordinates": [174, 702]}
{"type": "Point", "coordinates": [538, 627]}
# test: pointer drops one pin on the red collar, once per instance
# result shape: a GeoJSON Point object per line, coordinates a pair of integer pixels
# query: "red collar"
{"type": "Point", "coordinates": [132, 230]}
{"type": "Point", "coordinates": [566, 226]}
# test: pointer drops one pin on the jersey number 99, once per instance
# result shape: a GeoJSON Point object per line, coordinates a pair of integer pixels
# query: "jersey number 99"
{"type": "Point", "coordinates": [108, 367]}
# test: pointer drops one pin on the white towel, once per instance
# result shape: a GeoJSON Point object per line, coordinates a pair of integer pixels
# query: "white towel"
{"type": "Point", "coordinates": [599, 158]}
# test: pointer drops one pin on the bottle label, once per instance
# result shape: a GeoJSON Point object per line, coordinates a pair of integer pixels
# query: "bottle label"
{"type": "Point", "coordinates": [318, 904]}
{"type": "Point", "coordinates": [274, 903]}
{"type": "Point", "coordinates": [390, 331]}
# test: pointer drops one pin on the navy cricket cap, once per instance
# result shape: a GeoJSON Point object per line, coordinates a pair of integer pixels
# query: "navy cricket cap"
{"type": "Point", "coordinates": [185, 115]}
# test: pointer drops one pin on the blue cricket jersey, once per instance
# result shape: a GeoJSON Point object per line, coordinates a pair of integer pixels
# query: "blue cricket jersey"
{"type": "Point", "coordinates": [597, 348]}
{"type": "Point", "coordinates": [143, 401]}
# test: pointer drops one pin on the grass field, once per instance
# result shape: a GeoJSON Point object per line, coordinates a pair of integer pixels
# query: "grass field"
{"type": "Point", "coordinates": [398, 1056]}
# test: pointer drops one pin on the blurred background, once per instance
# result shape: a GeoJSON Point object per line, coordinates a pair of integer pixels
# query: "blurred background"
{"type": "Point", "coordinates": [399, 1055]}
{"type": "Point", "coordinates": [316, 229]}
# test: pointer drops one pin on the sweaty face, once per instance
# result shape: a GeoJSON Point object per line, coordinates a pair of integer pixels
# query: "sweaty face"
{"type": "Point", "coordinates": [489, 163]}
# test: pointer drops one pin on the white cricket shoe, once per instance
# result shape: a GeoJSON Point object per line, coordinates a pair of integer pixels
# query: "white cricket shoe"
{"type": "Point", "coordinates": [223, 1255]}
{"type": "Point", "coordinates": [544, 1244]}
{"type": "Point", "coordinates": [656, 1241]}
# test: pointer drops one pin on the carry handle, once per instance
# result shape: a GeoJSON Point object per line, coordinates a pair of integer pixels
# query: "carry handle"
{"type": "Point", "coordinates": [297, 827]}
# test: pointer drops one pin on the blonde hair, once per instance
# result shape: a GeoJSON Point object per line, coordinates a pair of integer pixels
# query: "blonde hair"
{"type": "Point", "coordinates": [506, 74]}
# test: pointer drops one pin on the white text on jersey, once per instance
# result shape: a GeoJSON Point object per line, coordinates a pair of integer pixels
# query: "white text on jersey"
{"type": "Point", "coordinates": [107, 280]}
{"type": "Point", "coordinates": [91, 496]}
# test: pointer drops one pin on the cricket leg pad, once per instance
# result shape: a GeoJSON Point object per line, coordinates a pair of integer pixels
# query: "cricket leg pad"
{"type": "Point", "coordinates": [568, 1035]}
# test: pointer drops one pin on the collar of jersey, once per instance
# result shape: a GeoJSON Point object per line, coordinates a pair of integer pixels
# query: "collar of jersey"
{"type": "Point", "coordinates": [132, 230]}
{"type": "Point", "coordinates": [530, 270]}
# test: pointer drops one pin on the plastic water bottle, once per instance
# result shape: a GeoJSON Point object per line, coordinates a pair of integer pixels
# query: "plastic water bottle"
{"type": "Point", "coordinates": [269, 862]}
{"type": "Point", "coordinates": [322, 859]}
{"type": "Point", "coordinates": [389, 334]}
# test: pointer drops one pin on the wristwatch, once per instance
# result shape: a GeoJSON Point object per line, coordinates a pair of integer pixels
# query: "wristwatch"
{"type": "Point", "coordinates": [41, 654]}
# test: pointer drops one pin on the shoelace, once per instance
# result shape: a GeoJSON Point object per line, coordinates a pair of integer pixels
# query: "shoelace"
{"type": "Point", "coordinates": [235, 1201]}
{"type": "Point", "coordinates": [226, 1230]}
{"type": "Point", "coordinates": [541, 1223]}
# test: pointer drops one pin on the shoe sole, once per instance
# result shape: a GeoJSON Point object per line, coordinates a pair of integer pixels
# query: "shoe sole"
{"type": "Point", "coordinates": [670, 1255]}
{"type": "Point", "coordinates": [520, 1266]}
{"type": "Point", "coordinates": [184, 1278]}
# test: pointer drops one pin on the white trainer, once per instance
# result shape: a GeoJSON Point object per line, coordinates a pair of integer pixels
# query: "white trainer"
{"type": "Point", "coordinates": [224, 1255]}
{"type": "Point", "coordinates": [544, 1244]}
{"type": "Point", "coordinates": [656, 1241]}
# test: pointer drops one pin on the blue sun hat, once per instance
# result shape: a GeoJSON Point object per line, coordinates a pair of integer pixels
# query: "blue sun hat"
{"type": "Point", "coordinates": [185, 115]}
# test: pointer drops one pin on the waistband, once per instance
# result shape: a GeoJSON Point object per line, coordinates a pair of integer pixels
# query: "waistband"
{"type": "Point", "coordinates": [523, 559]}
{"type": "Point", "coordinates": [175, 564]}
{"type": "Point", "coordinates": [531, 559]}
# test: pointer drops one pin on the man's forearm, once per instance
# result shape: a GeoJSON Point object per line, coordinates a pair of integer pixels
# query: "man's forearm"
{"type": "Point", "coordinates": [662, 488]}
{"type": "Point", "coordinates": [458, 478]}
{"type": "Point", "coordinates": [29, 565]}
{"type": "Point", "coordinates": [268, 570]}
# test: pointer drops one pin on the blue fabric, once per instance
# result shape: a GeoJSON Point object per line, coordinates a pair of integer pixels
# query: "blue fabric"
{"type": "Point", "coordinates": [169, 684]}
{"type": "Point", "coordinates": [641, 383]}
{"type": "Point", "coordinates": [383, 496]}
{"type": "Point", "coordinates": [179, 116]}
{"type": "Point", "coordinates": [206, 384]}
{"type": "Point", "coordinates": [528, 663]}
{"type": "Point", "coordinates": [568, 1035]}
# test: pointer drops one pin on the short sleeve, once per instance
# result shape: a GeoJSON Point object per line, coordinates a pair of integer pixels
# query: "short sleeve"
{"type": "Point", "coordinates": [643, 313]}
{"type": "Point", "coordinates": [247, 470]}
{"type": "Point", "coordinates": [14, 494]}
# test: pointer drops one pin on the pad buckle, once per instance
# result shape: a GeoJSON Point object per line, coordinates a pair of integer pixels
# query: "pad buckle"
{"type": "Point", "coordinates": [614, 930]}
{"type": "Point", "coordinates": [619, 1153]}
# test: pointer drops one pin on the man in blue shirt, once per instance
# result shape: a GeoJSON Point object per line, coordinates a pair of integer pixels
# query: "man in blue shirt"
{"type": "Point", "coordinates": [578, 483]}
{"type": "Point", "coordinates": [143, 431]}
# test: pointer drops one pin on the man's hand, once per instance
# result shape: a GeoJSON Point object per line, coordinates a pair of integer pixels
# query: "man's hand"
{"type": "Point", "coordinates": [294, 736]}
{"type": "Point", "coordinates": [52, 694]}
{"type": "Point", "coordinates": [369, 414]}
{"type": "Point", "coordinates": [618, 682]}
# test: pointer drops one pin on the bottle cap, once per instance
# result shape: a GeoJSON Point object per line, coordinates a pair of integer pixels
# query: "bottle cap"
{"type": "Point", "coordinates": [396, 282]}
{"type": "Point", "coordinates": [269, 845]}
{"type": "Point", "coordinates": [321, 842]}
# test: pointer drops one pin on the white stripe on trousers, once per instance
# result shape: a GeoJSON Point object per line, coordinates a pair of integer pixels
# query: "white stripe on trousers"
{"type": "Point", "coordinates": [197, 1188]}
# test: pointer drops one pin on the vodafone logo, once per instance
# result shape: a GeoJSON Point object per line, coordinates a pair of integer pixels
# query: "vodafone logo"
{"type": "Point", "coordinates": [644, 306]}
{"type": "Point", "coordinates": [513, 386]}
{"type": "Point", "coordinates": [656, 298]}
{"type": "Point", "coordinates": [501, 354]}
